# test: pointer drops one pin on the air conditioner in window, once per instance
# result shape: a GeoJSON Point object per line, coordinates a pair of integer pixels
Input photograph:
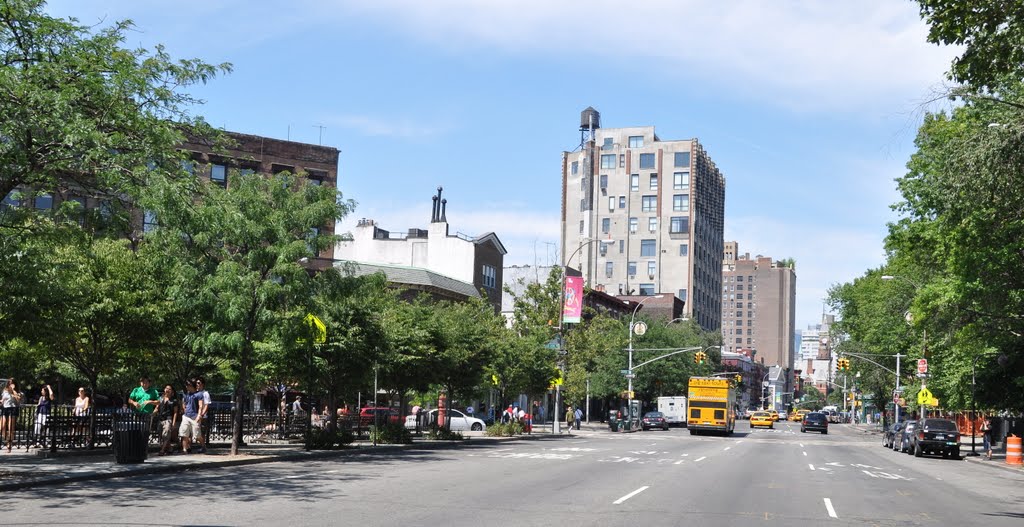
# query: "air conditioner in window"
{"type": "Point", "coordinates": [632, 276]}
{"type": "Point", "coordinates": [650, 276]}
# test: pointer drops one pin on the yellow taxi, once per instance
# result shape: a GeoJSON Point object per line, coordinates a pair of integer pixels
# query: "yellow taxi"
{"type": "Point", "coordinates": [774, 414]}
{"type": "Point", "coordinates": [798, 415]}
{"type": "Point", "coordinates": [761, 419]}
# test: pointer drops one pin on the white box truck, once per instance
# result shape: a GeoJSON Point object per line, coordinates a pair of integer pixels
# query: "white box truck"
{"type": "Point", "coordinates": [674, 410]}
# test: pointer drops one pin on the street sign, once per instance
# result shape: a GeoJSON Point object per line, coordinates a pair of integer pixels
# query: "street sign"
{"type": "Point", "coordinates": [922, 365]}
{"type": "Point", "coordinates": [630, 375]}
{"type": "Point", "coordinates": [924, 397]}
{"type": "Point", "coordinates": [625, 372]}
{"type": "Point", "coordinates": [317, 327]}
{"type": "Point", "coordinates": [902, 402]}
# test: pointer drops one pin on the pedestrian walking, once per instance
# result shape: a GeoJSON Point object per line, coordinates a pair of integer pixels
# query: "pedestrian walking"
{"type": "Point", "coordinates": [579, 417]}
{"type": "Point", "coordinates": [569, 418]}
{"type": "Point", "coordinates": [10, 399]}
{"type": "Point", "coordinates": [42, 415]}
{"type": "Point", "coordinates": [168, 412]}
{"type": "Point", "coordinates": [189, 428]}
{"type": "Point", "coordinates": [986, 436]}
{"type": "Point", "coordinates": [205, 417]}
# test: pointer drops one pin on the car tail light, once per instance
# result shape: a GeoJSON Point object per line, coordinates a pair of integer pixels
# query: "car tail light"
{"type": "Point", "coordinates": [920, 435]}
{"type": "Point", "coordinates": [958, 438]}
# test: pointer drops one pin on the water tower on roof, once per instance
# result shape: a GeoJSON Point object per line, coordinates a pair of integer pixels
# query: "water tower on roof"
{"type": "Point", "coordinates": [590, 120]}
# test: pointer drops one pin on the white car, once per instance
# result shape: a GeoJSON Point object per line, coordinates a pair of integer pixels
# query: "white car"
{"type": "Point", "coordinates": [783, 416]}
{"type": "Point", "coordinates": [459, 421]}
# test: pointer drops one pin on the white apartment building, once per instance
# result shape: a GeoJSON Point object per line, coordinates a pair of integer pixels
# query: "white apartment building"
{"type": "Point", "coordinates": [657, 207]}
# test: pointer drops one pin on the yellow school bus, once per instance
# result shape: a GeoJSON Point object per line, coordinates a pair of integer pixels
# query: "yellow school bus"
{"type": "Point", "coordinates": [712, 408]}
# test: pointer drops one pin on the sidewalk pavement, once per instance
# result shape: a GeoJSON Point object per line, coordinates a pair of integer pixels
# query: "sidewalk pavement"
{"type": "Point", "coordinates": [998, 460]}
{"type": "Point", "coordinates": [22, 470]}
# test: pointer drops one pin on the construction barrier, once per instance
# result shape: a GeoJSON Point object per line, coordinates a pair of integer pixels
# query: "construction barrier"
{"type": "Point", "coordinates": [1013, 453]}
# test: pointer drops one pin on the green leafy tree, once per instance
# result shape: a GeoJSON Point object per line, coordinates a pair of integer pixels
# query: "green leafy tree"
{"type": "Point", "coordinates": [247, 244]}
{"type": "Point", "coordinates": [82, 114]}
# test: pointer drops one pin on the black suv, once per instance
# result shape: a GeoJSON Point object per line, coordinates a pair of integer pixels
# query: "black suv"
{"type": "Point", "coordinates": [936, 436]}
{"type": "Point", "coordinates": [815, 421]}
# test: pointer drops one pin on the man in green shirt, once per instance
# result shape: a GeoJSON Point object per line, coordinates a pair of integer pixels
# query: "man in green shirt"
{"type": "Point", "coordinates": [144, 398]}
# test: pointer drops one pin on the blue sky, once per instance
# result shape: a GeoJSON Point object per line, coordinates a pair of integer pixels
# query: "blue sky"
{"type": "Point", "coordinates": [808, 108]}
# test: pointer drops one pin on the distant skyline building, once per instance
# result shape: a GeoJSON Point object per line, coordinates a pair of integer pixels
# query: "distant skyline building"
{"type": "Point", "coordinates": [657, 205]}
{"type": "Point", "coordinates": [817, 362]}
{"type": "Point", "coordinates": [758, 306]}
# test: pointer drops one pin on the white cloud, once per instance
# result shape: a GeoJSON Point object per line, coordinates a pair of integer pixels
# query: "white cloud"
{"type": "Point", "coordinates": [812, 55]}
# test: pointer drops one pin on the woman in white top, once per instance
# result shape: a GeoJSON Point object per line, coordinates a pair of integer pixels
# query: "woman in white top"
{"type": "Point", "coordinates": [81, 412]}
{"type": "Point", "coordinates": [9, 401]}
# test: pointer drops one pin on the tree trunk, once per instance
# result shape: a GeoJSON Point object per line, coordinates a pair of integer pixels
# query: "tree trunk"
{"type": "Point", "coordinates": [240, 400]}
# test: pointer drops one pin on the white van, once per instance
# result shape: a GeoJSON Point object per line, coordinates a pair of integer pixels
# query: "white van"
{"type": "Point", "coordinates": [674, 410]}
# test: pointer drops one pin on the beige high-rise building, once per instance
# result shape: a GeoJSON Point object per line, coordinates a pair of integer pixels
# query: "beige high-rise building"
{"type": "Point", "coordinates": [758, 306]}
{"type": "Point", "coordinates": [658, 208]}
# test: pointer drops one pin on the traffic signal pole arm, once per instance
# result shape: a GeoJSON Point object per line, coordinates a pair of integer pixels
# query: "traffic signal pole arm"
{"type": "Point", "coordinates": [865, 357]}
{"type": "Point", "coordinates": [684, 350]}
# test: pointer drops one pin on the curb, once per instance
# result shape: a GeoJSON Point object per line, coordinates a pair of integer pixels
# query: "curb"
{"type": "Point", "coordinates": [1001, 465]}
{"type": "Point", "coordinates": [292, 457]}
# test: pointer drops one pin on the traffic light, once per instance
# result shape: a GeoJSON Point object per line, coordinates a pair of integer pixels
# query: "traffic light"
{"type": "Point", "coordinates": [699, 357]}
{"type": "Point", "coordinates": [739, 378]}
{"type": "Point", "coordinates": [843, 364]}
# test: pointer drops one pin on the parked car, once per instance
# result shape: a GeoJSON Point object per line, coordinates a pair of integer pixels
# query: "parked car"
{"type": "Point", "coordinates": [815, 421]}
{"type": "Point", "coordinates": [902, 443]}
{"type": "Point", "coordinates": [383, 415]}
{"type": "Point", "coordinates": [762, 419]}
{"type": "Point", "coordinates": [936, 436]}
{"type": "Point", "coordinates": [459, 421]}
{"type": "Point", "coordinates": [653, 420]}
{"type": "Point", "coordinates": [889, 436]}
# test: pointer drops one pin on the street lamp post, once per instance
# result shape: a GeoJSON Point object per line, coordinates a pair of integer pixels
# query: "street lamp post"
{"type": "Point", "coordinates": [764, 387]}
{"type": "Point", "coordinates": [629, 375]}
{"type": "Point", "coordinates": [556, 423]}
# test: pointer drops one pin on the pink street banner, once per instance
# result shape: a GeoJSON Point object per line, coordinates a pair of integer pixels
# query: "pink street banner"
{"type": "Point", "coordinates": [572, 305]}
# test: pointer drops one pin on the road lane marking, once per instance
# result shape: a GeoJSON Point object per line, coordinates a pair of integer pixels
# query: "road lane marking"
{"type": "Point", "coordinates": [630, 495]}
{"type": "Point", "coordinates": [678, 462]}
{"type": "Point", "coordinates": [801, 445]}
{"type": "Point", "coordinates": [810, 465]}
{"type": "Point", "coordinates": [831, 511]}
{"type": "Point", "coordinates": [805, 453]}
{"type": "Point", "coordinates": [700, 459]}
{"type": "Point", "coordinates": [726, 448]}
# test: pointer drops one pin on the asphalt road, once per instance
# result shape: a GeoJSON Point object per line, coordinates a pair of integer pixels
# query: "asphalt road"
{"type": "Point", "coordinates": [761, 477]}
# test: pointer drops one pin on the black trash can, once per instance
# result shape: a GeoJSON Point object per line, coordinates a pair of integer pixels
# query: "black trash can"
{"type": "Point", "coordinates": [131, 437]}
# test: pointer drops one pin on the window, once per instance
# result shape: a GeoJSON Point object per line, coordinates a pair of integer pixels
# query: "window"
{"type": "Point", "coordinates": [684, 249]}
{"type": "Point", "coordinates": [654, 182]}
{"type": "Point", "coordinates": [608, 143]}
{"type": "Point", "coordinates": [11, 200]}
{"type": "Point", "coordinates": [188, 166]}
{"type": "Point", "coordinates": [739, 305]}
{"type": "Point", "coordinates": [148, 221]}
{"type": "Point", "coordinates": [681, 203]}
{"type": "Point", "coordinates": [634, 182]}
{"type": "Point", "coordinates": [604, 181]}
{"type": "Point", "coordinates": [749, 342]}
{"type": "Point", "coordinates": [739, 287]}
{"type": "Point", "coordinates": [575, 167]}
{"type": "Point", "coordinates": [636, 141]}
{"type": "Point", "coordinates": [646, 289]}
{"type": "Point", "coordinates": [651, 268]}
{"type": "Point", "coordinates": [583, 205]}
{"type": "Point", "coordinates": [633, 225]}
{"type": "Point", "coordinates": [611, 204]}
{"type": "Point", "coordinates": [622, 160]}
{"type": "Point", "coordinates": [647, 248]}
{"type": "Point", "coordinates": [606, 226]}
{"type": "Point", "coordinates": [646, 160]}
{"type": "Point", "coordinates": [622, 246]}
{"type": "Point", "coordinates": [652, 224]}
{"type": "Point", "coordinates": [739, 340]}
{"type": "Point", "coordinates": [682, 159]}
{"type": "Point", "coordinates": [44, 202]}
{"type": "Point", "coordinates": [622, 202]}
{"type": "Point", "coordinates": [739, 278]}
{"type": "Point", "coordinates": [581, 226]}
{"type": "Point", "coordinates": [490, 276]}
{"type": "Point", "coordinates": [602, 248]}
{"type": "Point", "coordinates": [219, 174]}
{"type": "Point", "coordinates": [607, 160]}
{"type": "Point", "coordinates": [679, 225]}
{"type": "Point", "coordinates": [631, 268]}
{"type": "Point", "coordinates": [681, 180]}
{"type": "Point", "coordinates": [608, 268]}
{"type": "Point", "coordinates": [649, 203]}
{"type": "Point", "coordinates": [739, 322]}
{"type": "Point", "coordinates": [311, 181]}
